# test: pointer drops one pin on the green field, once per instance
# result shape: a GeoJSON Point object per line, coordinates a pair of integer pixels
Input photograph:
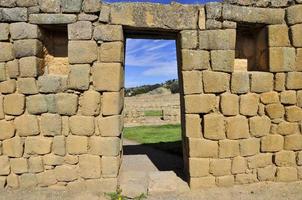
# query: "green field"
{"type": "Point", "coordinates": [153, 113]}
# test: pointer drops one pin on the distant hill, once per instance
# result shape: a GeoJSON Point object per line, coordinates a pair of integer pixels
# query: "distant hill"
{"type": "Point", "coordinates": [171, 85]}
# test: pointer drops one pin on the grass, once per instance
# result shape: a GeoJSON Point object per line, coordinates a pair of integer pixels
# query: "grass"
{"type": "Point", "coordinates": [164, 137]}
{"type": "Point", "coordinates": [153, 113]}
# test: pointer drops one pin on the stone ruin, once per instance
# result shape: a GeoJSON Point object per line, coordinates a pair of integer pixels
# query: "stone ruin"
{"type": "Point", "coordinates": [62, 72]}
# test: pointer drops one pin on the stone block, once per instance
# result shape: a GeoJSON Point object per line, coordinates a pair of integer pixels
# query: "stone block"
{"type": "Point", "coordinates": [282, 59]}
{"type": "Point", "coordinates": [14, 104]}
{"type": "Point", "coordinates": [30, 66]}
{"type": "Point", "coordinates": [50, 6]}
{"type": "Point", "coordinates": [26, 3]}
{"type": "Point", "coordinates": [27, 125]}
{"type": "Point", "coordinates": [296, 33]}
{"type": "Point", "coordinates": [286, 174]}
{"type": "Point", "coordinates": [298, 59]}
{"type": "Point", "coordinates": [293, 113]}
{"type": "Point", "coordinates": [110, 166]}
{"type": "Point", "coordinates": [240, 82]}
{"type": "Point", "coordinates": [51, 124]}
{"type": "Point", "coordinates": [108, 33]}
{"type": "Point", "coordinates": [225, 181]}
{"type": "Point", "coordinates": [36, 104]}
{"type": "Point", "coordinates": [27, 86]}
{"type": "Point", "coordinates": [199, 167]}
{"type": "Point", "coordinates": [249, 147]}
{"type": "Point", "coordinates": [275, 110]}
{"type": "Point", "coordinates": [4, 31]}
{"type": "Point", "coordinates": [189, 39]}
{"type": "Point", "coordinates": [58, 146]}
{"type": "Point", "coordinates": [91, 6]}
{"type": "Point", "coordinates": [220, 167]}
{"type": "Point", "coordinates": [112, 103]}
{"type": "Point", "coordinates": [202, 18]}
{"type": "Point", "coordinates": [38, 145]}
{"type": "Point", "coordinates": [28, 180]}
{"type": "Point", "coordinates": [112, 52]}
{"type": "Point", "coordinates": [288, 97]}
{"type": "Point", "coordinates": [7, 130]}
{"type": "Point", "coordinates": [81, 125]}
{"type": "Point", "coordinates": [66, 104]}
{"type": "Point", "coordinates": [111, 126]}
{"type": "Point", "coordinates": [192, 82]}
{"type": "Point", "coordinates": [213, 24]}
{"type": "Point", "coordinates": [299, 99]}
{"type": "Point", "coordinates": [52, 18]}
{"type": "Point", "coordinates": [46, 178]}
{"type": "Point", "coordinates": [203, 103]}
{"type": "Point", "coordinates": [294, 15]}
{"type": "Point", "coordinates": [8, 3]}
{"type": "Point", "coordinates": [19, 165]}
{"type": "Point", "coordinates": [193, 126]}
{"type": "Point", "coordinates": [285, 158]}
{"type": "Point", "coordinates": [287, 128]}
{"type": "Point", "coordinates": [223, 60]}
{"type": "Point", "coordinates": [7, 52]}
{"type": "Point", "coordinates": [78, 77]}
{"type": "Point", "coordinates": [202, 148]}
{"type": "Point", "coordinates": [202, 182]}
{"type": "Point", "coordinates": [215, 82]}
{"type": "Point", "coordinates": [4, 165]}
{"type": "Point", "coordinates": [71, 6]}
{"type": "Point", "coordinates": [262, 82]}
{"type": "Point", "coordinates": [217, 39]}
{"type": "Point", "coordinates": [2, 72]}
{"type": "Point", "coordinates": [13, 68]}
{"type": "Point", "coordinates": [228, 148]}
{"type": "Point", "coordinates": [105, 13]}
{"type": "Point", "coordinates": [81, 30]}
{"type": "Point", "coordinates": [260, 160]}
{"type": "Point", "coordinates": [237, 127]}
{"type": "Point", "coordinates": [299, 158]}
{"type": "Point", "coordinates": [214, 128]}
{"type": "Point", "coordinates": [90, 103]}
{"type": "Point", "coordinates": [90, 166]}
{"type": "Point", "coordinates": [82, 52]}
{"type": "Point", "coordinates": [213, 10]}
{"type": "Point", "coordinates": [278, 35]}
{"type": "Point", "coordinates": [12, 181]}
{"type": "Point", "coordinates": [66, 173]}
{"type": "Point", "coordinates": [22, 30]}
{"type": "Point", "coordinates": [239, 165]}
{"type": "Point", "coordinates": [53, 160]}
{"type": "Point", "coordinates": [269, 97]}
{"type": "Point", "coordinates": [14, 14]}
{"type": "Point", "coordinates": [13, 147]}
{"type": "Point", "coordinates": [76, 144]}
{"type": "Point", "coordinates": [2, 115]}
{"type": "Point", "coordinates": [266, 173]}
{"type": "Point", "coordinates": [36, 164]}
{"type": "Point", "coordinates": [259, 126]}
{"type": "Point", "coordinates": [229, 104]}
{"type": "Point", "coordinates": [272, 143]}
{"type": "Point", "coordinates": [8, 87]}
{"type": "Point", "coordinates": [195, 60]}
{"type": "Point", "coordinates": [49, 84]}
{"type": "Point", "coordinates": [108, 76]}
{"type": "Point", "coordinates": [293, 142]}
{"type": "Point", "coordinates": [294, 80]}
{"type": "Point", "coordinates": [28, 48]}
{"type": "Point", "coordinates": [105, 146]}
{"type": "Point", "coordinates": [280, 81]}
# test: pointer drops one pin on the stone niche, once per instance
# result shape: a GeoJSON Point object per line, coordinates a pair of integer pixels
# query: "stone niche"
{"type": "Point", "coordinates": [251, 48]}
{"type": "Point", "coordinates": [55, 39]}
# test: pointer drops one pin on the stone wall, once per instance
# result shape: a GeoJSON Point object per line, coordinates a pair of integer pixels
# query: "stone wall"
{"type": "Point", "coordinates": [64, 130]}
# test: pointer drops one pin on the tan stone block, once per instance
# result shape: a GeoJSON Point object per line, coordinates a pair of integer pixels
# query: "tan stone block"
{"type": "Point", "coordinates": [12, 181]}
{"type": "Point", "coordinates": [110, 126]}
{"type": "Point", "coordinates": [19, 165]}
{"type": "Point", "coordinates": [272, 143]}
{"type": "Point", "coordinates": [240, 82]}
{"type": "Point", "coordinates": [203, 103]}
{"type": "Point", "coordinates": [286, 174]}
{"type": "Point", "coordinates": [90, 103]}
{"type": "Point", "coordinates": [294, 15]}
{"type": "Point", "coordinates": [81, 125]}
{"type": "Point", "coordinates": [76, 144]}
{"type": "Point", "coordinates": [2, 182]}
{"type": "Point", "coordinates": [195, 60]}
{"type": "Point", "coordinates": [30, 66]}
{"type": "Point", "coordinates": [46, 178]}
{"type": "Point", "coordinates": [78, 77]}
{"type": "Point", "coordinates": [192, 82]}
{"type": "Point", "coordinates": [229, 104]}
{"type": "Point", "coordinates": [298, 65]}
{"type": "Point", "coordinates": [189, 39]}
{"type": "Point", "coordinates": [82, 52]}
{"type": "Point", "coordinates": [223, 60]}
{"type": "Point", "coordinates": [7, 130]}
{"type": "Point", "coordinates": [269, 97]}
{"type": "Point", "coordinates": [81, 30]}
{"type": "Point", "coordinates": [13, 68]}
{"type": "Point", "coordinates": [193, 126]}
{"type": "Point", "coordinates": [299, 98]}
{"type": "Point", "coordinates": [66, 104]}
{"type": "Point", "coordinates": [266, 173]}
{"type": "Point", "coordinates": [71, 160]}
{"type": "Point", "coordinates": [202, 182]}
{"type": "Point", "coordinates": [287, 128]}
{"type": "Point", "coordinates": [199, 167]}
{"type": "Point", "coordinates": [90, 166]}
{"type": "Point", "coordinates": [259, 126]}
{"type": "Point", "coordinates": [110, 166]}
{"type": "Point", "coordinates": [209, 39]}
{"type": "Point", "coordinates": [249, 147]}
{"type": "Point", "coordinates": [111, 52]}
{"type": "Point", "coordinates": [37, 104]}
{"type": "Point", "coordinates": [7, 52]}
{"type": "Point", "coordinates": [249, 104]}
{"type": "Point", "coordinates": [35, 164]}
{"type": "Point", "coordinates": [275, 111]}
{"type": "Point", "coordinates": [8, 87]}
{"type": "Point", "coordinates": [58, 146]}
{"type": "Point", "coordinates": [220, 167]}
{"type": "Point", "coordinates": [112, 103]}
{"type": "Point", "coordinates": [296, 34]}
{"type": "Point", "coordinates": [27, 125]}
{"type": "Point", "coordinates": [282, 59]}
{"type": "Point", "coordinates": [299, 158]}
{"type": "Point", "coordinates": [299, 169]}
{"type": "Point", "coordinates": [215, 82]}
{"type": "Point", "coordinates": [278, 36]}
{"type": "Point", "coordinates": [13, 147]}
{"type": "Point", "coordinates": [280, 82]}
{"type": "Point", "coordinates": [237, 127]}
{"type": "Point", "coordinates": [14, 104]}
{"type": "Point", "coordinates": [28, 180]}
{"type": "Point", "coordinates": [262, 82]}
{"type": "Point", "coordinates": [108, 32]}
{"type": "Point", "coordinates": [214, 128]}
{"type": "Point", "coordinates": [51, 124]}
{"type": "Point", "coordinates": [260, 160]}
{"type": "Point", "coordinates": [293, 113]}
{"type": "Point", "coordinates": [239, 165]}
{"type": "Point", "coordinates": [106, 146]}
{"type": "Point", "coordinates": [288, 97]}
{"type": "Point", "coordinates": [4, 165]}
{"type": "Point", "coordinates": [225, 181]}
{"type": "Point", "coordinates": [293, 142]}
{"type": "Point", "coordinates": [203, 148]}
{"type": "Point", "coordinates": [108, 76]}
{"type": "Point", "coordinates": [294, 80]}
{"type": "Point", "coordinates": [51, 159]}
{"type": "Point", "coordinates": [202, 19]}
{"type": "Point", "coordinates": [228, 148]}
{"type": "Point", "coordinates": [285, 158]}
{"type": "Point", "coordinates": [66, 173]}
{"type": "Point", "coordinates": [38, 145]}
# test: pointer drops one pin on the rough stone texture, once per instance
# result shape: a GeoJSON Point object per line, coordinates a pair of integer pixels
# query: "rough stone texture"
{"type": "Point", "coordinates": [229, 104]}
{"type": "Point", "coordinates": [189, 39]}
{"type": "Point", "coordinates": [22, 30]}
{"type": "Point", "coordinates": [192, 82]}
{"type": "Point", "coordinates": [262, 82]}
{"type": "Point", "coordinates": [13, 147]}
{"type": "Point", "coordinates": [76, 144]}
{"type": "Point", "coordinates": [27, 86]}
{"type": "Point", "coordinates": [215, 82]}
{"type": "Point", "coordinates": [71, 6]}
{"type": "Point", "coordinates": [228, 148]}
{"type": "Point", "coordinates": [195, 60]}
{"type": "Point", "coordinates": [249, 104]}
{"type": "Point", "coordinates": [286, 174]}
{"type": "Point", "coordinates": [237, 127]}
{"type": "Point", "coordinates": [203, 103]}
{"type": "Point", "coordinates": [112, 103]}
{"type": "Point", "coordinates": [56, 124]}
{"type": "Point", "coordinates": [278, 36]}
{"type": "Point", "coordinates": [294, 15]}
{"type": "Point", "coordinates": [14, 14]}
{"type": "Point", "coordinates": [81, 125]}
{"type": "Point", "coordinates": [209, 39]}
{"type": "Point", "coordinates": [293, 142]}
{"type": "Point", "coordinates": [14, 104]}
{"type": "Point", "coordinates": [38, 145]}
{"type": "Point", "coordinates": [220, 167]}
{"type": "Point", "coordinates": [281, 59]}
{"type": "Point", "coordinates": [7, 130]}
{"type": "Point", "coordinates": [90, 166]}
{"type": "Point", "coordinates": [4, 165]}
{"type": "Point", "coordinates": [65, 173]}
{"type": "Point", "coordinates": [108, 33]}
{"type": "Point", "coordinates": [294, 80]}
{"type": "Point", "coordinates": [7, 52]}
{"type": "Point", "coordinates": [203, 148]}
{"type": "Point", "coordinates": [223, 60]}
{"type": "Point", "coordinates": [240, 82]}
{"type": "Point", "coordinates": [81, 30]}
{"type": "Point", "coordinates": [193, 126]}
{"type": "Point", "coordinates": [36, 104]}
{"type": "Point", "coordinates": [259, 126]}
{"type": "Point", "coordinates": [214, 128]}
{"type": "Point", "coordinates": [66, 104]}
{"type": "Point", "coordinates": [52, 18]}
{"type": "Point", "coordinates": [272, 143]}
{"type": "Point", "coordinates": [110, 126]}
{"type": "Point", "coordinates": [28, 48]}
{"type": "Point", "coordinates": [80, 52]}
{"type": "Point", "coordinates": [111, 52]}
{"type": "Point", "coordinates": [199, 167]}
{"type": "Point", "coordinates": [78, 77]}
{"type": "Point", "coordinates": [4, 31]}
{"type": "Point", "coordinates": [49, 84]}
{"type": "Point", "coordinates": [90, 103]}
{"type": "Point", "coordinates": [249, 147]}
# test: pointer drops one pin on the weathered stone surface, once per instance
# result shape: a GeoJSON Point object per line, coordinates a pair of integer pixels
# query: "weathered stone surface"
{"type": "Point", "coordinates": [7, 52]}
{"type": "Point", "coordinates": [14, 104]}
{"type": "Point", "coordinates": [217, 39]}
{"type": "Point", "coordinates": [49, 84]}
{"type": "Point", "coordinates": [35, 164]}
{"type": "Point", "coordinates": [90, 103]}
{"type": "Point", "coordinates": [203, 148]}
{"type": "Point", "coordinates": [76, 144]}
{"type": "Point", "coordinates": [105, 13]}
{"type": "Point", "coordinates": [228, 148]}
{"type": "Point", "coordinates": [293, 142]}
{"type": "Point", "coordinates": [287, 128]}
{"type": "Point", "coordinates": [52, 18]}
{"type": "Point", "coordinates": [225, 181]}
{"type": "Point", "coordinates": [249, 147]}
{"type": "Point", "coordinates": [193, 126]}
{"type": "Point", "coordinates": [8, 3]}
{"type": "Point", "coordinates": [240, 82]}
{"type": "Point", "coordinates": [213, 10]}
{"type": "Point", "coordinates": [13, 147]}
{"type": "Point", "coordinates": [239, 165]}
{"type": "Point", "coordinates": [269, 97]}
{"type": "Point", "coordinates": [58, 146]}
{"type": "Point", "coordinates": [13, 68]}
{"type": "Point", "coordinates": [105, 146]}
{"type": "Point", "coordinates": [260, 160]}
{"type": "Point", "coordinates": [112, 103]}
{"type": "Point", "coordinates": [7, 130]}
{"type": "Point", "coordinates": [272, 143]}
{"type": "Point", "coordinates": [78, 77]}
{"type": "Point", "coordinates": [275, 111]}
{"type": "Point", "coordinates": [189, 39]}
{"type": "Point", "coordinates": [214, 128]}
{"type": "Point", "coordinates": [259, 126]}
{"type": "Point", "coordinates": [91, 6]}
{"type": "Point", "coordinates": [192, 82]}
{"type": "Point", "coordinates": [237, 127]}
{"type": "Point", "coordinates": [202, 182]}
{"type": "Point", "coordinates": [288, 97]}
{"type": "Point", "coordinates": [298, 64]}
{"type": "Point", "coordinates": [202, 18]}
{"type": "Point", "coordinates": [110, 166]}
{"type": "Point", "coordinates": [51, 124]}
{"type": "Point", "coordinates": [249, 104]}
{"type": "Point", "coordinates": [293, 113]}
{"type": "Point", "coordinates": [52, 160]}
{"type": "Point", "coordinates": [27, 125]}
{"type": "Point", "coordinates": [22, 30]}
{"type": "Point", "coordinates": [266, 173]}
{"type": "Point", "coordinates": [90, 166]}
{"type": "Point", "coordinates": [26, 48]}
{"type": "Point", "coordinates": [66, 104]}
{"type": "Point", "coordinates": [293, 14]}
{"type": "Point", "coordinates": [199, 167]}
{"type": "Point", "coordinates": [215, 82]}
{"type": "Point", "coordinates": [108, 33]}
{"type": "Point", "coordinates": [220, 167]}
{"type": "Point", "coordinates": [27, 86]}
{"type": "Point", "coordinates": [203, 103]}
{"type": "Point", "coordinates": [111, 52]}
{"type": "Point", "coordinates": [110, 126]}
{"type": "Point", "coordinates": [38, 145]}
{"type": "Point", "coordinates": [285, 158]}
{"type": "Point", "coordinates": [223, 60]}
{"type": "Point", "coordinates": [294, 80]}
{"type": "Point", "coordinates": [229, 104]}
{"type": "Point", "coordinates": [81, 30]}
{"type": "Point", "coordinates": [82, 52]}
{"type": "Point", "coordinates": [30, 66]}
{"type": "Point", "coordinates": [50, 6]}
{"type": "Point", "coordinates": [66, 173]}
{"type": "Point", "coordinates": [278, 36]}
{"type": "Point", "coordinates": [46, 178]}
{"type": "Point", "coordinates": [282, 59]}
{"type": "Point", "coordinates": [8, 87]}
{"type": "Point", "coordinates": [195, 59]}
{"type": "Point", "coordinates": [108, 76]}
{"type": "Point", "coordinates": [81, 125]}
{"type": "Point", "coordinates": [71, 6]}
{"type": "Point", "coordinates": [4, 31]}
{"type": "Point", "coordinates": [14, 14]}
{"type": "Point", "coordinates": [28, 180]}
{"type": "Point", "coordinates": [262, 82]}
{"type": "Point", "coordinates": [12, 181]}
{"type": "Point", "coordinates": [26, 3]}
{"type": "Point", "coordinates": [4, 165]}
{"type": "Point", "coordinates": [286, 174]}
{"type": "Point", "coordinates": [36, 104]}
